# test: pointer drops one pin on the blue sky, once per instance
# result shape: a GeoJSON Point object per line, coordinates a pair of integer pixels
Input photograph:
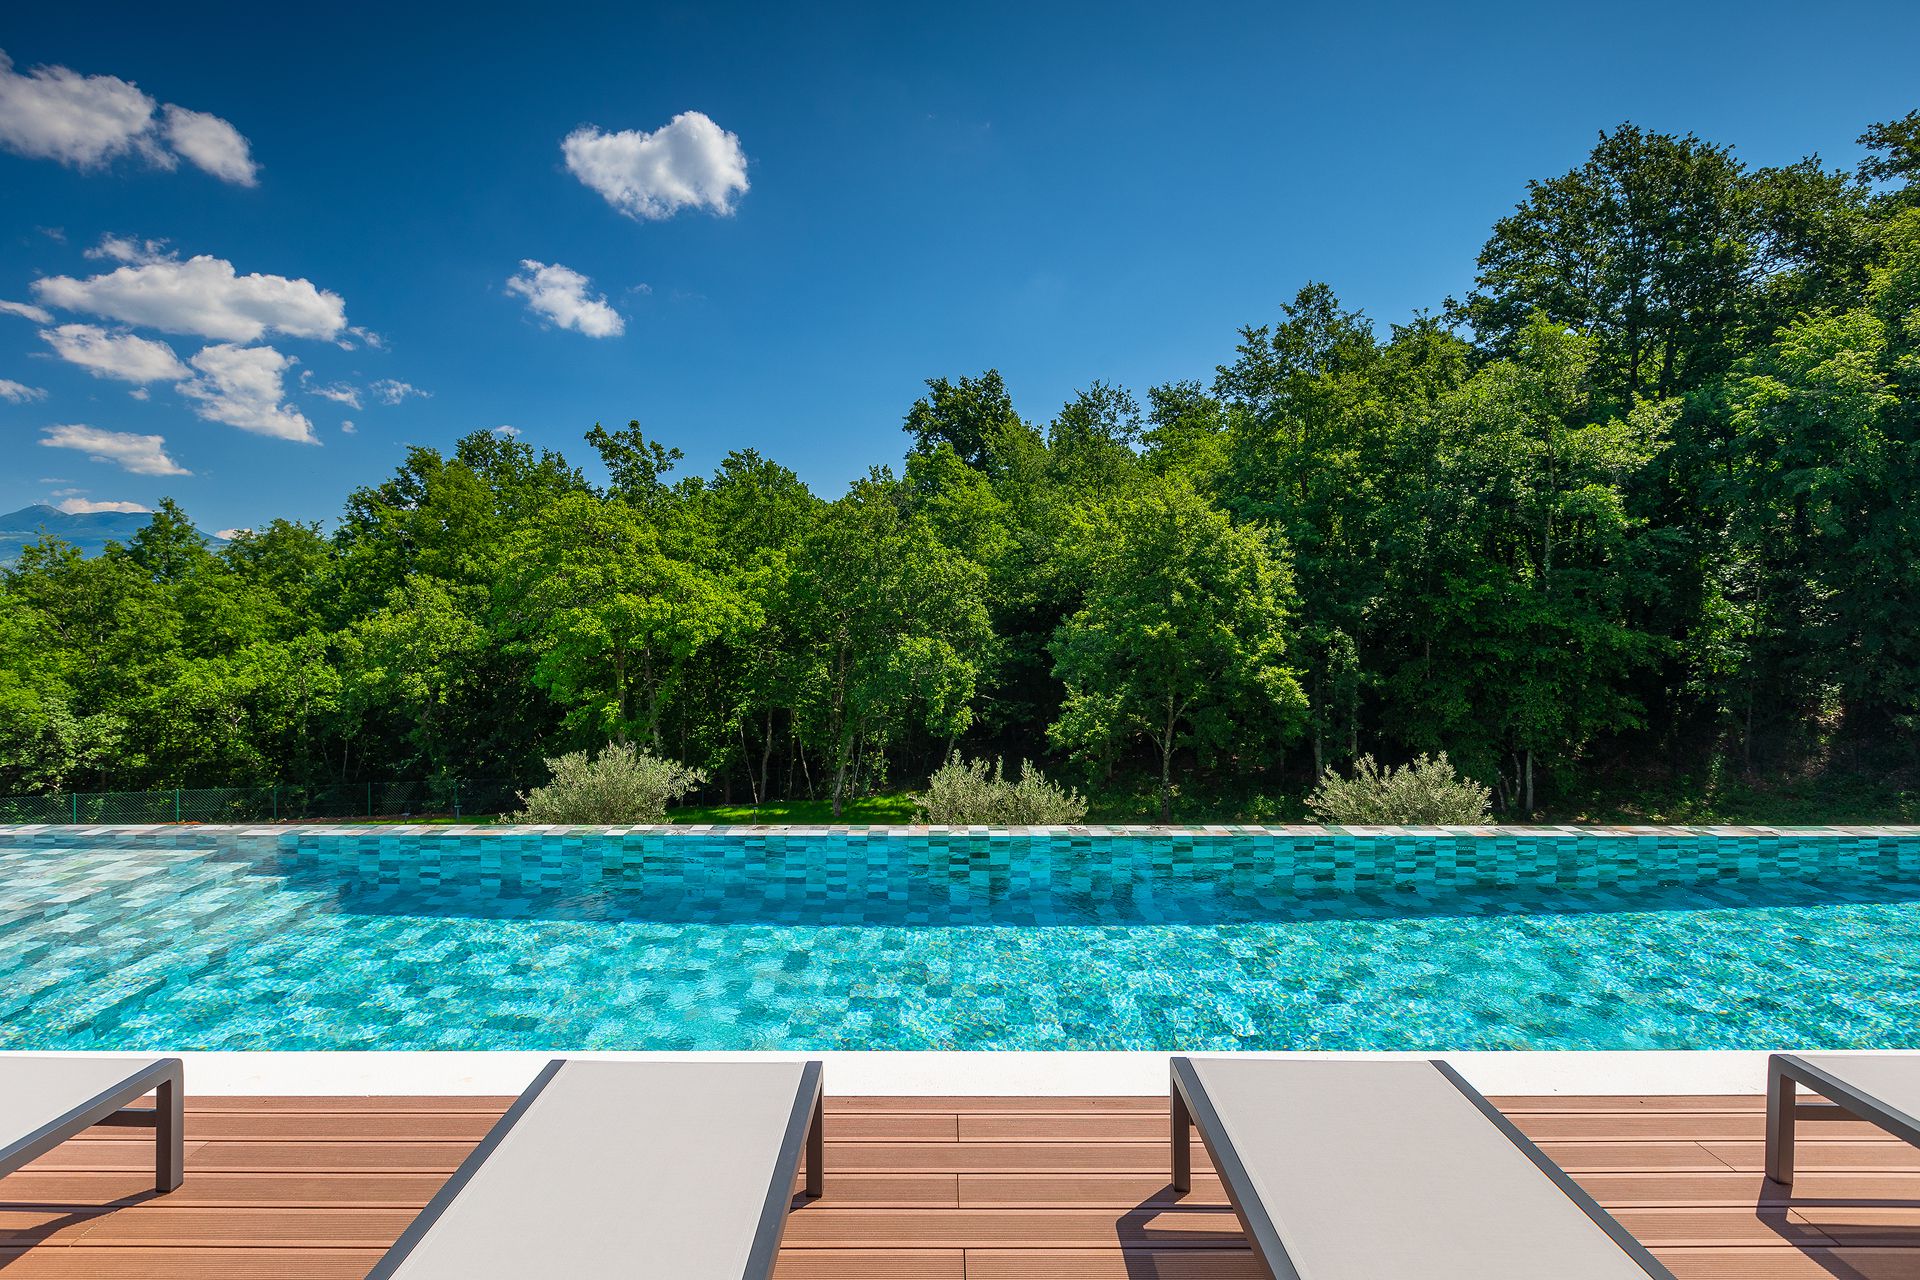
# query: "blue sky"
{"type": "Point", "coordinates": [1066, 193]}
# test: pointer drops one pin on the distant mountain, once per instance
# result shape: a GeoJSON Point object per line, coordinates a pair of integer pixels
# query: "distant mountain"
{"type": "Point", "coordinates": [90, 532]}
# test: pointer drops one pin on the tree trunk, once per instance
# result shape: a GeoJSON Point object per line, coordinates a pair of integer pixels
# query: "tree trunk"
{"type": "Point", "coordinates": [1527, 803]}
{"type": "Point", "coordinates": [1166, 768]}
{"type": "Point", "coordinates": [844, 748]}
{"type": "Point", "coordinates": [766, 759]}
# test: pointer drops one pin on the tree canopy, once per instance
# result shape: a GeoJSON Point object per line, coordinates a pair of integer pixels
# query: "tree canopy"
{"type": "Point", "coordinates": [1647, 493]}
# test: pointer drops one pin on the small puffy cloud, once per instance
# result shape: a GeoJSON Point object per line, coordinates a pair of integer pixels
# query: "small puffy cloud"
{"type": "Point", "coordinates": [19, 392]}
{"type": "Point", "coordinates": [230, 534]}
{"type": "Point", "coordinates": [39, 315]}
{"type": "Point", "coordinates": [87, 507]}
{"type": "Point", "coordinates": [688, 163]}
{"type": "Point", "coordinates": [204, 296]}
{"type": "Point", "coordinates": [55, 113]}
{"type": "Point", "coordinates": [506, 433]}
{"type": "Point", "coordinates": [560, 295]}
{"type": "Point", "coordinates": [127, 249]}
{"type": "Point", "coordinates": [243, 387]}
{"type": "Point", "coordinates": [140, 393]}
{"type": "Point", "coordinates": [142, 455]}
{"type": "Point", "coordinates": [338, 392]}
{"type": "Point", "coordinates": [393, 391]}
{"type": "Point", "coordinates": [347, 427]}
{"type": "Point", "coordinates": [115, 355]}
{"type": "Point", "coordinates": [211, 143]}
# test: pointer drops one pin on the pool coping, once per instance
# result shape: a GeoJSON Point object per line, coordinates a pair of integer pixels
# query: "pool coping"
{"type": "Point", "coordinates": [972, 1073]}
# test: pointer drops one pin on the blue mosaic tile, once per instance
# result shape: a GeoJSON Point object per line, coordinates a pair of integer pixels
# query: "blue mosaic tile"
{"type": "Point", "coordinates": [932, 938]}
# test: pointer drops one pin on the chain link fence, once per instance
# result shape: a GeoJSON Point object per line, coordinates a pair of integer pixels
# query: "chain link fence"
{"type": "Point", "coordinates": [333, 802]}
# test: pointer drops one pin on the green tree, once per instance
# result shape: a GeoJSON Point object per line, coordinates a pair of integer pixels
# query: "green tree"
{"type": "Point", "coordinates": [973, 416]}
{"type": "Point", "coordinates": [1180, 638]}
{"type": "Point", "coordinates": [892, 620]}
{"type": "Point", "coordinates": [611, 618]}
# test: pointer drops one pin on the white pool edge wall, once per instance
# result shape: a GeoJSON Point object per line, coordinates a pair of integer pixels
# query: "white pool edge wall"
{"type": "Point", "coordinates": [973, 1073]}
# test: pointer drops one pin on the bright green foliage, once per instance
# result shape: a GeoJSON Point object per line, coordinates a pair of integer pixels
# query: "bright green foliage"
{"type": "Point", "coordinates": [622, 786]}
{"type": "Point", "coordinates": [890, 618]}
{"type": "Point", "coordinates": [1179, 639]}
{"type": "Point", "coordinates": [1425, 793]}
{"type": "Point", "coordinates": [975, 793]}
{"type": "Point", "coordinates": [613, 619]}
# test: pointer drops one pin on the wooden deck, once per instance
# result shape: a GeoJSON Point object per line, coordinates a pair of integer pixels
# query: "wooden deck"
{"type": "Point", "coordinates": [935, 1188]}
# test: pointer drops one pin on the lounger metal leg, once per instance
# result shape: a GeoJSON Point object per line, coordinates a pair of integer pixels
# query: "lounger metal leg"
{"type": "Point", "coordinates": [169, 1136]}
{"type": "Point", "coordinates": [1182, 1136]}
{"type": "Point", "coordinates": [817, 1151]}
{"type": "Point", "coordinates": [1781, 1103]}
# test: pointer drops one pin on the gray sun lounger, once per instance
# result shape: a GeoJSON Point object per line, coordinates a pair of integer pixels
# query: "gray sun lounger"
{"type": "Point", "coordinates": [1881, 1089]}
{"type": "Point", "coordinates": [602, 1169]}
{"type": "Point", "coordinates": [1393, 1170]}
{"type": "Point", "coordinates": [45, 1101]}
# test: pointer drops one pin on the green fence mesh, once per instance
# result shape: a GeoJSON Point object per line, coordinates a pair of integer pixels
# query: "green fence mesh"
{"type": "Point", "coordinates": [337, 802]}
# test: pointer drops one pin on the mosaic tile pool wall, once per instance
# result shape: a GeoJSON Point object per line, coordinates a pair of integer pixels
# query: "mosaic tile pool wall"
{"type": "Point", "coordinates": [553, 938]}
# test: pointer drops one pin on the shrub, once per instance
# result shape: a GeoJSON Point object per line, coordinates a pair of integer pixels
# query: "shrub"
{"type": "Point", "coordinates": [624, 786]}
{"type": "Point", "coordinates": [974, 793]}
{"type": "Point", "coordinates": [1426, 793]}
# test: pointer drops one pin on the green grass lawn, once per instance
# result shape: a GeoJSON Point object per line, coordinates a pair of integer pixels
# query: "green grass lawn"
{"type": "Point", "coordinates": [1846, 796]}
{"type": "Point", "coordinates": [868, 810]}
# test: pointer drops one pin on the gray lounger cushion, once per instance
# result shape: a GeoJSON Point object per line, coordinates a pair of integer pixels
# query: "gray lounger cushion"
{"type": "Point", "coordinates": [681, 1169]}
{"type": "Point", "coordinates": [45, 1101]}
{"type": "Point", "coordinates": [1394, 1171]}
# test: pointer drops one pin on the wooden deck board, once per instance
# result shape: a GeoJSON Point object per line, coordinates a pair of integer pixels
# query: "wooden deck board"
{"type": "Point", "coordinates": [950, 1189]}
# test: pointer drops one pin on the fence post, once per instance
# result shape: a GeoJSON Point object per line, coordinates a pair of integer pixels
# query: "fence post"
{"type": "Point", "coordinates": [276, 804]}
{"type": "Point", "coordinates": [76, 808]}
{"type": "Point", "coordinates": [456, 801]}
{"type": "Point", "coordinates": [369, 799]}
{"type": "Point", "coordinates": [176, 804]}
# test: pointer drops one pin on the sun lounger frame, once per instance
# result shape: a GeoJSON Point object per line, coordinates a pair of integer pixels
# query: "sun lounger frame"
{"type": "Point", "coordinates": [164, 1078]}
{"type": "Point", "coordinates": [1785, 1071]}
{"type": "Point", "coordinates": [803, 1128]}
{"type": "Point", "coordinates": [1192, 1109]}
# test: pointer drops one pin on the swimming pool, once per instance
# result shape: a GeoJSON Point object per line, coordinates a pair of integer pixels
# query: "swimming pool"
{"type": "Point", "coordinates": [1220, 938]}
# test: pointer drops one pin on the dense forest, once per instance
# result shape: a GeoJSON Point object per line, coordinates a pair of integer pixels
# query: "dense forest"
{"type": "Point", "coordinates": [1646, 500]}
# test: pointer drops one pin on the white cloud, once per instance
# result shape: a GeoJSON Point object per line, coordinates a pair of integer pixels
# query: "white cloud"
{"type": "Point", "coordinates": [211, 143]}
{"type": "Point", "coordinates": [115, 355]}
{"type": "Point", "coordinates": [142, 455]}
{"type": "Point", "coordinates": [140, 393]}
{"type": "Point", "coordinates": [230, 534]}
{"type": "Point", "coordinates": [39, 315]}
{"type": "Point", "coordinates": [19, 392]}
{"type": "Point", "coordinates": [52, 113]}
{"type": "Point", "coordinates": [338, 392]}
{"type": "Point", "coordinates": [347, 427]}
{"type": "Point", "coordinates": [560, 295]}
{"type": "Point", "coordinates": [204, 296]}
{"type": "Point", "coordinates": [55, 113]}
{"type": "Point", "coordinates": [690, 162]}
{"type": "Point", "coordinates": [87, 507]}
{"type": "Point", "coordinates": [242, 387]}
{"type": "Point", "coordinates": [392, 391]}
{"type": "Point", "coordinates": [127, 249]}
{"type": "Point", "coordinates": [507, 433]}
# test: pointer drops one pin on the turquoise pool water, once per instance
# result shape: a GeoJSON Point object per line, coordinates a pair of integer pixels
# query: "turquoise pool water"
{"type": "Point", "coordinates": [369, 939]}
